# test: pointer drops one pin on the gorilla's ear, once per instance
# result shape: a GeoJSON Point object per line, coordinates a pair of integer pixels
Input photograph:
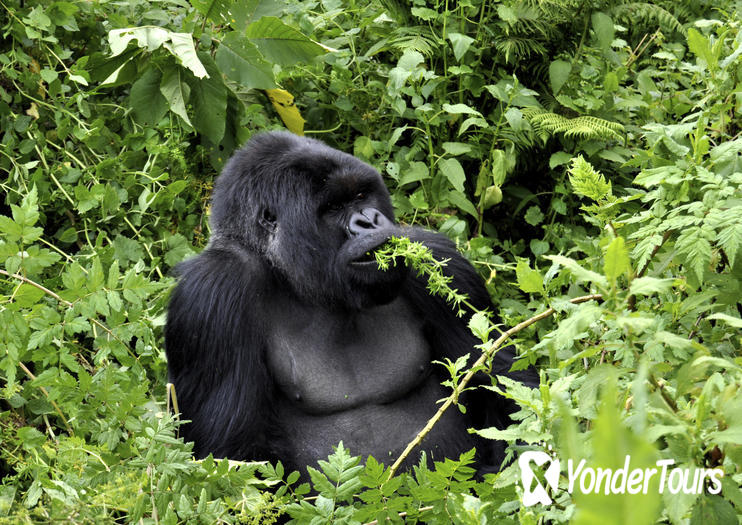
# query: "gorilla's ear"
{"type": "Point", "coordinates": [267, 220]}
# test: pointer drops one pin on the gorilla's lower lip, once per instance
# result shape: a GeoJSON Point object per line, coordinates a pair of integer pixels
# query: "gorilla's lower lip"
{"type": "Point", "coordinates": [366, 259]}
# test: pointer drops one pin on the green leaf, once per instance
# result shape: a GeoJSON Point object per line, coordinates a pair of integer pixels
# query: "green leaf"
{"type": "Point", "coordinates": [27, 295]}
{"type": "Point", "coordinates": [650, 285]}
{"type": "Point", "coordinates": [480, 326]}
{"type": "Point", "coordinates": [695, 244]}
{"type": "Point", "coordinates": [456, 148]}
{"type": "Point", "coordinates": [176, 92]}
{"type": "Point", "coordinates": [216, 11]}
{"type": "Point", "coordinates": [529, 280]}
{"type": "Point", "coordinates": [559, 71]}
{"type": "Point", "coordinates": [613, 444]}
{"type": "Point", "coordinates": [452, 170]}
{"type": "Point", "coordinates": [713, 510]}
{"type": "Point", "coordinates": [209, 100]}
{"type": "Point", "coordinates": [559, 159]}
{"type": "Point", "coordinates": [701, 47]}
{"type": "Point", "coordinates": [603, 28]}
{"type": "Point", "coordinates": [735, 322]}
{"type": "Point", "coordinates": [534, 215]}
{"type": "Point", "coordinates": [460, 109]}
{"type": "Point", "coordinates": [416, 171]}
{"type": "Point", "coordinates": [461, 44]}
{"type": "Point", "coordinates": [146, 99]}
{"type": "Point", "coordinates": [730, 238]}
{"type": "Point", "coordinates": [246, 12]}
{"type": "Point", "coordinates": [240, 61]}
{"type": "Point", "coordinates": [459, 200]}
{"type": "Point", "coordinates": [580, 273]}
{"type": "Point", "coordinates": [616, 261]}
{"type": "Point", "coordinates": [282, 44]}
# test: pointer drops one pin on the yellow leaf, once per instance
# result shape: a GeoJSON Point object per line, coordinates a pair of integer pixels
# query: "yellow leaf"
{"type": "Point", "coordinates": [33, 111]}
{"type": "Point", "coordinates": [283, 101]}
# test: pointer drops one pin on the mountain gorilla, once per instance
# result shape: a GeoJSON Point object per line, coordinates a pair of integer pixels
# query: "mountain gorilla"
{"type": "Point", "coordinates": [284, 337]}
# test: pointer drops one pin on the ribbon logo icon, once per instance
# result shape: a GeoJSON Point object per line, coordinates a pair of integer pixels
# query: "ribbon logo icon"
{"type": "Point", "coordinates": [537, 493]}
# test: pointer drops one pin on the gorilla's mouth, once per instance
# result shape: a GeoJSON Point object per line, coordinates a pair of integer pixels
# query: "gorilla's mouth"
{"type": "Point", "coordinates": [366, 259]}
{"type": "Point", "coordinates": [363, 250]}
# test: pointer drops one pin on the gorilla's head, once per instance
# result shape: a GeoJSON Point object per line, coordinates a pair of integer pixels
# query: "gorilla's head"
{"type": "Point", "coordinates": [314, 214]}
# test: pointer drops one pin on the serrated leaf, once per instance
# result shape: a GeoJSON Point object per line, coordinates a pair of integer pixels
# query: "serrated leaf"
{"type": "Point", "coordinates": [282, 44]}
{"type": "Point", "coordinates": [694, 243]}
{"type": "Point", "coordinates": [27, 295]}
{"type": "Point", "coordinates": [730, 239]}
{"type": "Point", "coordinates": [95, 275]}
{"type": "Point", "coordinates": [480, 326]}
{"type": "Point", "coordinates": [529, 280]}
{"type": "Point", "coordinates": [241, 62]}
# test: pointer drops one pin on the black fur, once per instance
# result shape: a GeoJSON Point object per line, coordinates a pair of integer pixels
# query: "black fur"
{"type": "Point", "coordinates": [283, 337]}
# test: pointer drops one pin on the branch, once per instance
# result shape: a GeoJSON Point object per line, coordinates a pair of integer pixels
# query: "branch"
{"type": "Point", "coordinates": [486, 356]}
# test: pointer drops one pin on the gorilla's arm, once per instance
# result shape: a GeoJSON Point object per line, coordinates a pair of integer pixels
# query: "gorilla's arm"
{"type": "Point", "coordinates": [215, 355]}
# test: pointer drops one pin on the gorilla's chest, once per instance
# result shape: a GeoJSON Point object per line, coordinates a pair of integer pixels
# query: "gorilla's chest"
{"type": "Point", "coordinates": [326, 362]}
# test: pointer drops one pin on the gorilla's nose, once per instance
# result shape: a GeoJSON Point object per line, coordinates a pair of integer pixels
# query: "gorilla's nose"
{"type": "Point", "coordinates": [366, 221]}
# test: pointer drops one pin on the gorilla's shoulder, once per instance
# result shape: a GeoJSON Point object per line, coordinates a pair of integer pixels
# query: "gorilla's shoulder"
{"type": "Point", "coordinates": [222, 268]}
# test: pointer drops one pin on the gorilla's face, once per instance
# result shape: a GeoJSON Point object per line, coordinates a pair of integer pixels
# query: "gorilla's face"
{"type": "Point", "coordinates": [314, 214]}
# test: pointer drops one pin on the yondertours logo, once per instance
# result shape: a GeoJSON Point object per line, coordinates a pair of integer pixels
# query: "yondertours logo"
{"type": "Point", "coordinates": [623, 480]}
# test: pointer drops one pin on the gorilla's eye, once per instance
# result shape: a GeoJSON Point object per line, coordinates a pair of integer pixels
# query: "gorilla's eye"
{"type": "Point", "coordinates": [360, 196]}
{"type": "Point", "coordinates": [268, 220]}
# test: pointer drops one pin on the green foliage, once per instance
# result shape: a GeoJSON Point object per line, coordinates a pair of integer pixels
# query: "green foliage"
{"type": "Point", "coordinates": [586, 156]}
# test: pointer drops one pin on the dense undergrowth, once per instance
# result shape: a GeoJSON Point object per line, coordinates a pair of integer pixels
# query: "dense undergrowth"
{"type": "Point", "coordinates": [573, 150]}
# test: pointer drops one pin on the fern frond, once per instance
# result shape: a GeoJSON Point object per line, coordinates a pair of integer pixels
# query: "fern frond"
{"type": "Point", "coordinates": [514, 47]}
{"type": "Point", "coordinates": [645, 12]}
{"type": "Point", "coordinates": [415, 38]}
{"type": "Point", "coordinates": [588, 182]}
{"type": "Point", "coordinates": [584, 127]}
